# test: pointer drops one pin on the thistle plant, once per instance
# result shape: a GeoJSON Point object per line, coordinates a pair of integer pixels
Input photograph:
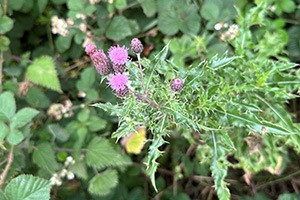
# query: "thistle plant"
{"type": "Point", "coordinates": [209, 102]}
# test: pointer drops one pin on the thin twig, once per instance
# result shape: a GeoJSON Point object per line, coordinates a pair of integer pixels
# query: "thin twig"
{"type": "Point", "coordinates": [282, 179]}
{"type": "Point", "coordinates": [7, 167]}
{"type": "Point", "coordinates": [16, 58]}
{"type": "Point", "coordinates": [4, 161]}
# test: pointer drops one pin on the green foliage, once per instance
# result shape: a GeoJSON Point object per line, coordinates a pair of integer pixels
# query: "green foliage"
{"type": "Point", "coordinates": [102, 183]}
{"type": "Point", "coordinates": [42, 72]}
{"type": "Point", "coordinates": [100, 154]}
{"type": "Point", "coordinates": [7, 106]}
{"type": "Point", "coordinates": [27, 187]}
{"type": "Point", "coordinates": [6, 24]}
{"type": "Point", "coordinates": [44, 157]}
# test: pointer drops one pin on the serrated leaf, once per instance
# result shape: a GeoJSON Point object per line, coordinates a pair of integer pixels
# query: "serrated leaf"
{"type": "Point", "coordinates": [251, 121]}
{"type": "Point", "coordinates": [100, 154]}
{"type": "Point", "coordinates": [118, 29]}
{"type": "Point", "coordinates": [161, 56]}
{"type": "Point", "coordinates": [103, 183]}
{"type": "Point", "coordinates": [58, 132]}
{"type": "Point", "coordinates": [27, 187]}
{"type": "Point", "coordinates": [23, 117]}
{"type": "Point", "coordinates": [15, 137]}
{"type": "Point", "coordinates": [44, 157]}
{"type": "Point", "coordinates": [79, 169]}
{"type": "Point", "coordinates": [42, 72]}
{"type": "Point", "coordinates": [123, 130]}
{"type": "Point", "coordinates": [279, 111]}
{"type": "Point", "coordinates": [216, 63]}
{"type": "Point", "coordinates": [153, 154]}
{"type": "Point", "coordinates": [7, 106]}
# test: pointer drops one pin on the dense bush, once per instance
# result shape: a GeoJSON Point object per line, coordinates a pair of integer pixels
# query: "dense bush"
{"type": "Point", "coordinates": [206, 107]}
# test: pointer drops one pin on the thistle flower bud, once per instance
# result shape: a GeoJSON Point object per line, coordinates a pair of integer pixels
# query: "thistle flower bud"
{"type": "Point", "coordinates": [101, 62]}
{"type": "Point", "coordinates": [122, 92]}
{"type": "Point", "coordinates": [119, 68]}
{"type": "Point", "coordinates": [136, 46]}
{"type": "Point", "coordinates": [177, 85]}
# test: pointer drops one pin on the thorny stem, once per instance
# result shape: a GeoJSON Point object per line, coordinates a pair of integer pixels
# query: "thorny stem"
{"type": "Point", "coordinates": [8, 164]}
{"type": "Point", "coordinates": [141, 70]}
{"type": "Point", "coordinates": [151, 103]}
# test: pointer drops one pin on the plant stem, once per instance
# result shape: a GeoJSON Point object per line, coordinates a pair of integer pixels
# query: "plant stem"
{"type": "Point", "coordinates": [141, 70]}
{"type": "Point", "coordinates": [7, 167]}
{"type": "Point", "coordinates": [16, 58]}
{"type": "Point", "coordinates": [4, 7]}
{"type": "Point", "coordinates": [282, 179]}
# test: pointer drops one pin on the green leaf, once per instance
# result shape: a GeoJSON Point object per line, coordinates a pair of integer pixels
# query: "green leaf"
{"type": "Point", "coordinates": [87, 79]}
{"type": "Point", "coordinates": [216, 63]}
{"type": "Point", "coordinates": [63, 43]}
{"type": "Point", "coordinates": [149, 7]}
{"type": "Point", "coordinates": [287, 5]}
{"type": "Point", "coordinates": [83, 115]}
{"type": "Point", "coordinates": [4, 43]}
{"type": "Point", "coordinates": [219, 172]}
{"type": "Point", "coordinates": [103, 183]}
{"type": "Point", "coordinates": [100, 154]}
{"type": "Point", "coordinates": [2, 195]}
{"type": "Point", "coordinates": [79, 169]}
{"type": "Point", "coordinates": [279, 111]}
{"type": "Point", "coordinates": [43, 72]}
{"type": "Point", "coordinates": [44, 157]}
{"type": "Point", "coordinates": [161, 56]}
{"type": "Point", "coordinates": [153, 154]}
{"type": "Point", "coordinates": [96, 124]}
{"type": "Point", "coordinates": [58, 132]}
{"type": "Point", "coordinates": [23, 117]}
{"type": "Point", "coordinates": [3, 131]}
{"type": "Point", "coordinates": [252, 122]}
{"type": "Point", "coordinates": [37, 98]}
{"type": "Point", "coordinates": [27, 187]}
{"type": "Point", "coordinates": [6, 24]}
{"type": "Point", "coordinates": [119, 4]}
{"type": "Point", "coordinates": [111, 109]}
{"type": "Point", "coordinates": [75, 5]}
{"type": "Point", "coordinates": [15, 137]}
{"type": "Point", "coordinates": [118, 29]}
{"type": "Point", "coordinates": [123, 130]}
{"type": "Point", "coordinates": [7, 106]}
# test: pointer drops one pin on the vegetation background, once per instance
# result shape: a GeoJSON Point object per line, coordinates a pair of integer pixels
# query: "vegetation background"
{"type": "Point", "coordinates": [246, 89]}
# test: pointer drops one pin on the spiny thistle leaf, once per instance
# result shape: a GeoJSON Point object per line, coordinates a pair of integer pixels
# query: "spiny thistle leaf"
{"type": "Point", "coordinates": [42, 72]}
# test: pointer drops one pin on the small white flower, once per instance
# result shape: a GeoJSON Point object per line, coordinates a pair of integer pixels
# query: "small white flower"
{"type": "Point", "coordinates": [218, 26]}
{"type": "Point", "coordinates": [63, 173]}
{"type": "Point", "coordinates": [70, 175]}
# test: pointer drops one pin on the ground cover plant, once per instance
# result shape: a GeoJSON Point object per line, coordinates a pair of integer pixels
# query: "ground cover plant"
{"type": "Point", "coordinates": [147, 99]}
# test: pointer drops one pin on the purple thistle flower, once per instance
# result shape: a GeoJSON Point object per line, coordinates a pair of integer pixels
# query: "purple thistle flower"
{"type": "Point", "coordinates": [122, 92]}
{"type": "Point", "coordinates": [177, 85]}
{"type": "Point", "coordinates": [90, 49]}
{"type": "Point", "coordinates": [101, 62]}
{"type": "Point", "coordinates": [136, 46]}
{"type": "Point", "coordinates": [118, 82]}
{"type": "Point", "coordinates": [118, 55]}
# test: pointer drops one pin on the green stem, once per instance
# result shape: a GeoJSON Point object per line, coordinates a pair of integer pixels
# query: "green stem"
{"type": "Point", "coordinates": [141, 70]}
